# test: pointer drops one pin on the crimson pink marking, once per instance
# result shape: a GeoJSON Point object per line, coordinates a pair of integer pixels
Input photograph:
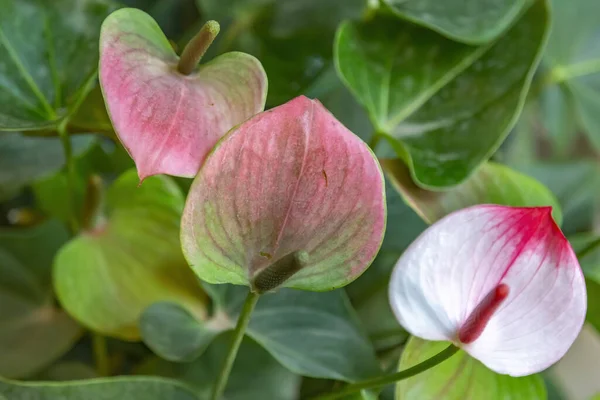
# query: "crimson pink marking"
{"type": "Point", "coordinates": [481, 315]}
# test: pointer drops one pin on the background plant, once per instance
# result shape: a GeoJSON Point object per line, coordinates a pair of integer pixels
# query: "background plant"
{"type": "Point", "coordinates": [466, 102]}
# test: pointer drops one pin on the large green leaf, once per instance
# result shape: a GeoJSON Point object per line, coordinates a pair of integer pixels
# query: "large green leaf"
{"type": "Point", "coordinates": [24, 159]}
{"type": "Point", "coordinates": [461, 377]}
{"type": "Point", "coordinates": [465, 122]}
{"type": "Point", "coordinates": [393, 67]}
{"type": "Point", "coordinates": [33, 332]}
{"type": "Point", "coordinates": [107, 276]}
{"type": "Point", "coordinates": [573, 57]}
{"type": "Point", "coordinates": [312, 334]}
{"type": "Point", "coordinates": [469, 21]}
{"type": "Point", "coordinates": [48, 59]}
{"type": "Point", "coordinates": [256, 375]}
{"type": "Point", "coordinates": [491, 184]}
{"type": "Point", "coordinates": [130, 388]}
{"type": "Point", "coordinates": [291, 38]}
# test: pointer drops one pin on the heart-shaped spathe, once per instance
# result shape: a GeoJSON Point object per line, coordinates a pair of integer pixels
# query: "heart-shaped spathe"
{"type": "Point", "coordinates": [168, 121]}
{"type": "Point", "coordinates": [289, 198]}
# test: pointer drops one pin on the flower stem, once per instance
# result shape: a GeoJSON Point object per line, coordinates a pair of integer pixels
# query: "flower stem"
{"type": "Point", "coordinates": [238, 335]}
{"type": "Point", "coordinates": [71, 174]}
{"type": "Point", "coordinates": [395, 377]}
{"type": "Point", "coordinates": [101, 354]}
{"type": "Point", "coordinates": [197, 46]}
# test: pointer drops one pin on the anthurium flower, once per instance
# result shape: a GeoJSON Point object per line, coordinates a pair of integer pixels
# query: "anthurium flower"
{"type": "Point", "coordinates": [501, 282]}
{"type": "Point", "coordinates": [169, 116]}
{"type": "Point", "coordinates": [289, 198]}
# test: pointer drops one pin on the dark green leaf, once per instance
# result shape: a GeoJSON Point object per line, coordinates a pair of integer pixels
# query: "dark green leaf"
{"type": "Point", "coordinates": [292, 39]}
{"type": "Point", "coordinates": [469, 21]}
{"type": "Point", "coordinates": [48, 59]}
{"type": "Point", "coordinates": [24, 159]}
{"type": "Point", "coordinates": [312, 334]}
{"type": "Point", "coordinates": [464, 123]}
{"type": "Point", "coordinates": [393, 67]}
{"type": "Point", "coordinates": [461, 377]}
{"type": "Point", "coordinates": [130, 388]}
{"type": "Point", "coordinates": [175, 334]}
{"type": "Point", "coordinates": [255, 375]}
{"type": "Point", "coordinates": [133, 259]}
{"type": "Point", "coordinates": [491, 184]}
{"type": "Point", "coordinates": [33, 332]}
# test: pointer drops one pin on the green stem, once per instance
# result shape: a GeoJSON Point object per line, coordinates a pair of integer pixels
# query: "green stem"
{"type": "Point", "coordinates": [563, 73]}
{"type": "Point", "coordinates": [71, 174]}
{"type": "Point", "coordinates": [101, 354]}
{"type": "Point", "coordinates": [238, 335]}
{"type": "Point", "coordinates": [375, 138]}
{"type": "Point", "coordinates": [395, 377]}
{"type": "Point", "coordinates": [197, 46]}
{"type": "Point", "coordinates": [588, 249]}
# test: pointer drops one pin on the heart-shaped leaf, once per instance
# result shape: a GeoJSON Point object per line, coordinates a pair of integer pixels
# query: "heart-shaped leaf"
{"type": "Point", "coordinates": [289, 198]}
{"type": "Point", "coordinates": [491, 184]}
{"type": "Point", "coordinates": [167, 120]}
{"type": "Point", "coordinates": [312, 334]}
{"type": "Point", "coordinates": [469, 21]}
{"type": "Point", "coordinates": [131, 388]}
{"type": "Point", "coordinates": [461, 377]}
{"type": "Point", "coordinates": [464, 123]}
{"type": "Point", "coordinates": [49, 67]}
{"type": "Point", "coordinates": [291, 38]}
{"type": "Point", "coordinates": [393, 67]}
{"type": "Point", "coordinates": [256, 375]}
{"type": "Point", "coordinates": [33, 332]}
{"type": "Point", "coordinates": [107, 276]}
{"type": "Point", "coordinates": [24, 159]}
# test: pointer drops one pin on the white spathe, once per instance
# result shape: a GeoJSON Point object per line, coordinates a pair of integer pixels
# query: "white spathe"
{"type": "Point", "coordinates": [442, 277]}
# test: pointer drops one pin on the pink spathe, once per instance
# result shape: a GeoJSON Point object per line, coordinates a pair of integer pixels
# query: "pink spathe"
{"type": "Point", "coordinates": [292, 179]}
{"type": "Point", "coordinates": [167, 121]}
{"type": "Point", "coordinates": [501, 282]}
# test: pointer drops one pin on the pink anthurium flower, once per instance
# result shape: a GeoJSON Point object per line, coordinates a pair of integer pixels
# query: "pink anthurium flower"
{"type": "Point", "coordinates": [289, 198]}
{"type": "Point", "coordinates": [502, 283]}
{"type": "Point", "coordinates": [167, 113]}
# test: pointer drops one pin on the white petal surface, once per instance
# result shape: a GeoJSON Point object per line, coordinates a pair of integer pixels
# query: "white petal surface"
{"type": "Point", "coordinates": [454, 264]}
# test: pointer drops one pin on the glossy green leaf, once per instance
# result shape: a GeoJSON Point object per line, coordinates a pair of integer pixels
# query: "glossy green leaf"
{"type": "Point", "coordinates": [23, 159]}
{"type": "Point", "coordinates": [130, 388]}
{"type": "Point", "coordinates": [393, 67]}
{"type": "Point", "coordinates": [491, 184]}
{"type": "Point", "coordinates": [465, 122]}
{"type": "Point", "coordinates": [576, 185]}
{"type": "Point", "coordinates": [174, 333]}
{"type": "Point", "coordinates": [469, 21]}
{"type": "Point", "coordinates": [33, 332]}
{"type": "Point", "coordinates": [461, 377]}
{"type": "Point", "coordinates": [558, 117]}
{"type": "Point", "coordinates": [256, 375]}
{"type": "Point", "coordinates": [312, 334]}
{"type": "Point", "coordinates": [291, 38]}
{"type": "Point", "coordinates": [132, 259]}
{"type": "Point", "coordinates": [47, 61]}
{"type": "Point", "coordinates": [573, 57]}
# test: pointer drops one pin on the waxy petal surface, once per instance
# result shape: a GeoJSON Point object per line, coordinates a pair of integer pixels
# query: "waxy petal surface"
{"type": "Point", "coordinates": [517, 255]}
{"type": "Point", "coordinates": [290, 181]}
{"type": "Point", "coordinates": [167, 121]}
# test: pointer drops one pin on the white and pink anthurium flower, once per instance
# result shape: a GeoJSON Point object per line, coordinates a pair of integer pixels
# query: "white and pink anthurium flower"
{"type": "Point", "coordinates": [502, 283]}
